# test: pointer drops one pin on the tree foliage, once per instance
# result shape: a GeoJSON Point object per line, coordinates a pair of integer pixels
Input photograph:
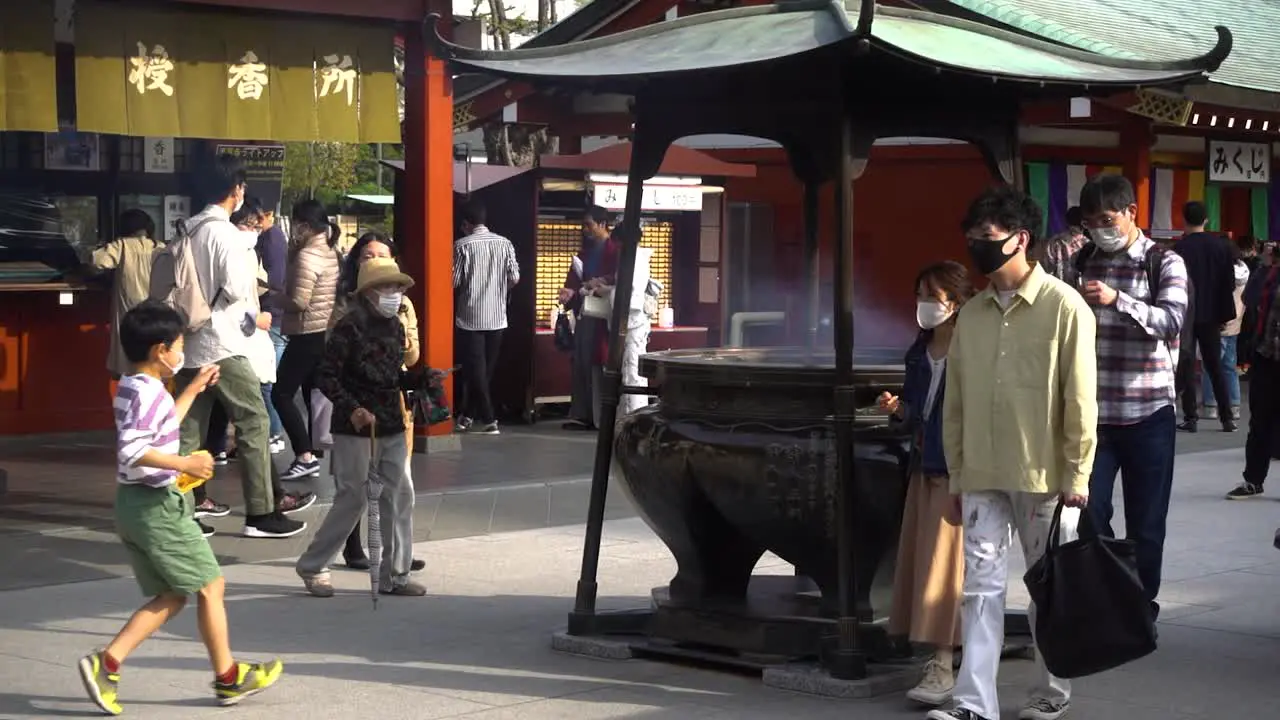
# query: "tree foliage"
{"type": "Point", "coordinates": [323, 171]}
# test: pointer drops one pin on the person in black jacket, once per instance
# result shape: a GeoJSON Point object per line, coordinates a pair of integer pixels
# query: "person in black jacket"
{"type": "Point", "coordinates": [1211, 269]}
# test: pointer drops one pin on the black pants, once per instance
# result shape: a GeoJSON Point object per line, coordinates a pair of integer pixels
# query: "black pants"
{"type": "Point", "coordinates": [215, 438]}
{"type": "Point", "coordinates": [478, 350]}
{"type": "Point", "coordinates": [1142, 455]}
{"type": "Point", "coordinates": [1208, 337]}
{"type": "Point", "coordinates": [1264, 418]}
{"type": "Point", "coordinates": [297, 371]}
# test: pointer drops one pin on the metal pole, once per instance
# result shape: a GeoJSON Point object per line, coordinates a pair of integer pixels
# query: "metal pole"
{"type": "Point", "coordinates": [812, 263]}
{"type": "Point", "coordinates": [582, 619]}
{"type": "Point", "coordinates": [847, 661]}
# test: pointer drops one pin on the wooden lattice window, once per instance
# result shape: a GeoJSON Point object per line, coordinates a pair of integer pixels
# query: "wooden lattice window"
{"type": "Point", "coordinates": [559, 241]}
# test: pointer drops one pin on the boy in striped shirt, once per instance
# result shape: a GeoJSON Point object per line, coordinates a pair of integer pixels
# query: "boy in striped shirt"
{"type": "Point", "coordinates": [170, 558]}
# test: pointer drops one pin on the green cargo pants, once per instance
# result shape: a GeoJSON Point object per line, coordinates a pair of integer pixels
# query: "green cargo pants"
{"type": "Point", "coordinates": [239, 391]}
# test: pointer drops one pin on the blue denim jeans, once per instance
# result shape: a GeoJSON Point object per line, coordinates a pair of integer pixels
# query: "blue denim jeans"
{"type": "Point", "coordinates": [1229, 369]}
{"type": "Point", "coordinates": [1142, 454]}
{"type": "Point", "coordinates": [280, 341]}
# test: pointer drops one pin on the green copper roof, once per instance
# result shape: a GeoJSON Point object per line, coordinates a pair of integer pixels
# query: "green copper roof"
{"type": "Point", "coordinates": [1155, 30]}
{"type": "Point", "coordinates": [743, 36]}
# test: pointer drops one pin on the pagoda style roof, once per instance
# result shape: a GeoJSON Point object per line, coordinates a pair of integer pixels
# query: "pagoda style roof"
{"type": "Point", "coordinates": [707, 43]}
{"type": "Point", "coordinates": [1158, 30]}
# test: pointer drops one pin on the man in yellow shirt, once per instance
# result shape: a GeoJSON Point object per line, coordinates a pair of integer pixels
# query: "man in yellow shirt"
{"type": "Point", "coordinates": [1019, 427]}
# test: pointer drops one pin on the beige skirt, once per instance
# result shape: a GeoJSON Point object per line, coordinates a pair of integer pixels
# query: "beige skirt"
{"type": "Point", "coordinates": [929, 577]}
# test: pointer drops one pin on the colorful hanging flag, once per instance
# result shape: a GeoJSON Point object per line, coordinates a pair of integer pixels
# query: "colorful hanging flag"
{"type": "Point", "coordinates": [1171, 189]}
{"type": "Point", "coordinates": [1056, 187]}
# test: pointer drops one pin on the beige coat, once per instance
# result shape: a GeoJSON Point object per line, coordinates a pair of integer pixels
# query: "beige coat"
{"type": "Point", "coordinates": [130, 258]}
{"type": "Point", "coordinates": [311, 287]}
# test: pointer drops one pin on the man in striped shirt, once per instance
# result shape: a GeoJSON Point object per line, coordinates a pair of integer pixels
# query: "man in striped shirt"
{"type": "Point", "coordinates": [1139, 324]}
{"type": "Point", "coordinates": [484, 271]}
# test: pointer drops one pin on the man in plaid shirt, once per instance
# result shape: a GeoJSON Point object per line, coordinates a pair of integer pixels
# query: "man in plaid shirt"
{"type": "Point", "coordinates": [1138, 338]}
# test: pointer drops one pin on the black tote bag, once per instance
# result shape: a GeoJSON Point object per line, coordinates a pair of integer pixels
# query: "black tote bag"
{"type": "Point", "coordinates": [1092, 613]}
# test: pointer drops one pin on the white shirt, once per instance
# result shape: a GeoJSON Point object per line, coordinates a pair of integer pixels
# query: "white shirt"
{"type": "Point", "coordinates": [230, 286]}
{"type": "Point", "coordinates": [938, 369]}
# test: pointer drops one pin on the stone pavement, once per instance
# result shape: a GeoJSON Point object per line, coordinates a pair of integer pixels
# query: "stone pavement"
{"type": "Point", "coordinates": [56, 517]}
{"type": "Point", "coordinates": [478, 646]}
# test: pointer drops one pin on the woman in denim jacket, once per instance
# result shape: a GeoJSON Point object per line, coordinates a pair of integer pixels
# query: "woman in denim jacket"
{"type": "Point", "coordinates": [930, 571]}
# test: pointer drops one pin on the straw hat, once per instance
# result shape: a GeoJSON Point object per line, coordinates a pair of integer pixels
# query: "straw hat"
{"type": "Point", "coordinates": [381, 271]}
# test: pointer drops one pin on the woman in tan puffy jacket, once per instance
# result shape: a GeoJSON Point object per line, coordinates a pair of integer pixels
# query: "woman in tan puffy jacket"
{"type": "Point", "coordinates": [377, 245]}
{"type": "Point", "coordinates": [129, 255]}
{"type": "Point", "coordinates": [311, 286]}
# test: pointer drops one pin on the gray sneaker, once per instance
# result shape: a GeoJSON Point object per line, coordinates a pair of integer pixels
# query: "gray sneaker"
{"type": "Point", "coordinates": [1044, 709]}
{"type": "Point", "coordinates": [406, 589]}
{"type": "Point", "coordinates": [485, 429]}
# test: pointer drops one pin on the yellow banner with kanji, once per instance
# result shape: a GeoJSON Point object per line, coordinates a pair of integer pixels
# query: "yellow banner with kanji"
{"type": "Point", "coordinates": [28, 76]}
{"type": "Point", "coordinates": [154, 71]}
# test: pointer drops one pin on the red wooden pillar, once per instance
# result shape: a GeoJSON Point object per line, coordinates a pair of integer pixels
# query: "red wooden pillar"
{"type": "Point", "coordinates": [427, 205]}
{"type": "Point", "coordinates": [1136, 139]}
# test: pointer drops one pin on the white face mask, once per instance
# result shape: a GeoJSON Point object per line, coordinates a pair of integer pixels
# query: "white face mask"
{"type": "Point", "coordinates": [174, 368]}
{"type": "Point", "coordinates": [931, 313]}
{"type": "Point", "coordinates": [389, 303]}
{"type": "Point", "coordinates": [1109, 239]}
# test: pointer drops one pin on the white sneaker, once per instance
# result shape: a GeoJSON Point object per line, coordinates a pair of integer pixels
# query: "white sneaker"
{"type": "Point", "coordinates": [935, 687]}
{"type": "Point", "coordinates": [1044, 709]}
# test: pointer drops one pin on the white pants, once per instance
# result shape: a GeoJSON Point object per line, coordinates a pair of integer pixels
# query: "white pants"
{"type": "Point", "coordinates": [636, 345]}
{"type": "Point", "coordinates": [990, 518]}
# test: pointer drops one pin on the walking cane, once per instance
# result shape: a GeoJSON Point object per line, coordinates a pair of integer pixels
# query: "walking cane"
{"type": "Point", "coordinates": [374, 523]}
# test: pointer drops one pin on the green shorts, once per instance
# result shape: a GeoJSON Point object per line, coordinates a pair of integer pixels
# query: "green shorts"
{"type": "Point", "coordinates": [166, 549]}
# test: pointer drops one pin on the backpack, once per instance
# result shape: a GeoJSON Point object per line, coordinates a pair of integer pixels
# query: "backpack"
{"type": "Point", "coordinates": [175, 283]}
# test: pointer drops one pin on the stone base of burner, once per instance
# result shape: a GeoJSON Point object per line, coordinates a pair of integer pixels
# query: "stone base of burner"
{"type": "Point", "coordinates": [813, 680]}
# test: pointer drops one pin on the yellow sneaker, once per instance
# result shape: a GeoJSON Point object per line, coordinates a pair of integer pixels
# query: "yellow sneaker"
{"type": "Point", "coordinates": [251, 679]}
{"type": "Point", "coordinates": [101, 685]}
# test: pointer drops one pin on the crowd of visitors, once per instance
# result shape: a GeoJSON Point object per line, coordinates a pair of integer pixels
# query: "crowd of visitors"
{"type": "Point", "coordinates": [1039, 391]}
{"type": "Point", "coordinates": [1043, 389]}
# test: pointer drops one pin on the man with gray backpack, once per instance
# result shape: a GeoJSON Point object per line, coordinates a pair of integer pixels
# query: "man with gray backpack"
{"type": "Point", "coordinates": [200, 275]}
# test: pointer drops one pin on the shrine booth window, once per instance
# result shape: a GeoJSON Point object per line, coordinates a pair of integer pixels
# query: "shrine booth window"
{"type": "Point", "coordinates": [560, 238]}
{"type": "Point", "coordinates": [61, 193]}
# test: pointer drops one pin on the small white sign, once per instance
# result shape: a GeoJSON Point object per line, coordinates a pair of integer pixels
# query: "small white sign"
{"type": "Point", "coordinates": [670, 198]}
{"type": "Point", "coordinates": [157, 154]}
{"type": "Point", "coordinates": [66, 298]}
{"type": "Point", "coordinates": [176, 208]}
{"type": "Point", "coordinates": [1239, 162]}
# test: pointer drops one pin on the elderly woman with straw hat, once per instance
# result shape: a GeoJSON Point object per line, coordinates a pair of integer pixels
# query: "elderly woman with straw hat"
{"type": "Point", "coordinates": [361, 374]}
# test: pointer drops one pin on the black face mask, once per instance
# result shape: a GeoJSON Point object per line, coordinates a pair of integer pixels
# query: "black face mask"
{"type": "Point", "coordinates": [989, 255]}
